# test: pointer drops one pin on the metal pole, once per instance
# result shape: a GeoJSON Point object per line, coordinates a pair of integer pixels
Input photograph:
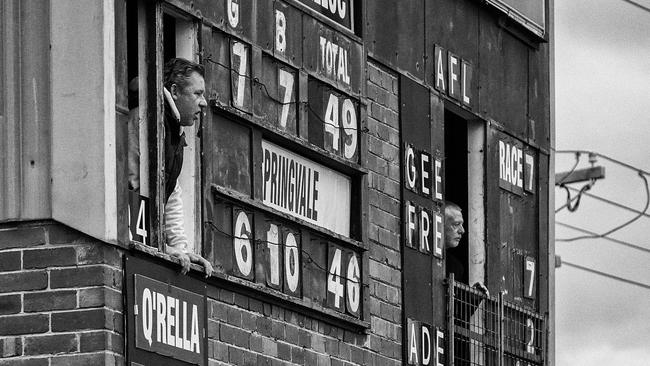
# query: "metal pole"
{"type": "Point", "coordinates": [450, 319]}
{"type": "Point", "coordinates": [501, 330]}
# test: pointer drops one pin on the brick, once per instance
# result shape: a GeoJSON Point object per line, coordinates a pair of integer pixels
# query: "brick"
{"type": "Point", "coordinates": [234, 336]}
{"type": "Point", "coordinates": [61, 234]}
{"type": "Point", "coordinates": [24, 324]}
{"type": "Point", "coordinates": [23, 281]}
{"type": "Point", "coordinates": [85, 276]}
{"type": "Point", "coordinates": [25, 362]}
{"type": "Point", "coordinates": [101, 341]}
{"type": "Point", "coordinates": [298, 355]}
{"type": "Point", "coordinates": [10, 261]}
{"type": "Point", "coordinates": [10, 347]}
{"type": "Point", "coordinates": [80, 360]}
{"type": "Point", "coordinates": [10, 304]}
{"type": "Point", "coordinates": [51, 344]}
{"type": "Point", "coordinates": [277, 330]}
{"type": "Point", "coordinates": [234, 317]}
{"type": "Point", "coordinates": [218, 311]}
{"type": "Point", "coordinates": [235, 356]}
{"type": "Point", "coordinates": [99, 254]}
{"type": "Point", "coordinates": [81, 319]}
{"type": "Point", "coordinates": [49, 257]}
{"type": "Point", "coordinates": [270, 347]}
{"type": "Point", "coordinates": [99, 297]}
{"type": "Point", "coordinates": [50, 300]}
{"type": "Point", "coordinates": [284, 351]}
{"type": "Point", "coordinates": [22, 237]}
{"type": "Point", "coordinates": [220, 351]}
{"type": "Point", "coordinates": [250, 359]}
{"type": "Point", "coordinates": [256, 343]}
{"type": "Point", "coordinates": [264, 326]}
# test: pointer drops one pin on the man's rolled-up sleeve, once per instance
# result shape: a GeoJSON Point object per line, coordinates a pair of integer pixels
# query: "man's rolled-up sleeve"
{"type": "Point", "coordinates": [175, 223]}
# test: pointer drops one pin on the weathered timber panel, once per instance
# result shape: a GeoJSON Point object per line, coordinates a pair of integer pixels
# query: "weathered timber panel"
{"type": "Point", "coordinates": [538, 97]}
{"type": "Point", "coordinates": [503, 79]}
{"type": "Point", "coordinates": [395, 34]}
{"type": "Point", "coordinates": [453, 25]}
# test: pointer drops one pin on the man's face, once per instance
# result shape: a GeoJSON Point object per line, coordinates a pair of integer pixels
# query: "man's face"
{"type": "Point", "coordinates": [453, 227]}
{"type": "Point", "coordinates": [190, 100]}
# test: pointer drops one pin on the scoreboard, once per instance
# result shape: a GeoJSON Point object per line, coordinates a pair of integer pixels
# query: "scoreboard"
{"type": "Point", "coordinates": [282, 162]}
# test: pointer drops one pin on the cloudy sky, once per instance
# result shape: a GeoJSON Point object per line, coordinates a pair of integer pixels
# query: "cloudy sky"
{"type": "Point", "coordinates": [603, 104]}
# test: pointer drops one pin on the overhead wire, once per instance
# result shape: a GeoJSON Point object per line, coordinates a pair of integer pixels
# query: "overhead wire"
{"type": "Point", "coordinates": [637, 5]}
{"type": "Point", "coordinates": [613, 203]}
{"type": "Point", "coordinates": [609, 238]}
{"type": "Point", "coordinates": [608, 275]}
{"type": "Point", "coordinates": [619, 227]}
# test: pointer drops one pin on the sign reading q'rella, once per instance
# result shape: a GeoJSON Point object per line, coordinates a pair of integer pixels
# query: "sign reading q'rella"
{"type": "Point", "coordinates": [169, 320]}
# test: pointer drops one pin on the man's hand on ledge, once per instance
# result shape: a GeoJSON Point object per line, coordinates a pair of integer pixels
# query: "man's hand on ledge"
{"type": "Point", "coordinates": [481, 287]}
{"type": "Point", "coordinates": [195, 258]}
{"type": "Point", "coordinates": [187, 258]}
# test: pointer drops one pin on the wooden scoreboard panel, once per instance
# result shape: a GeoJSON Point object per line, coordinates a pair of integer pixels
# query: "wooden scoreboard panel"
{"type": "Point", "coordinates": [285, 87]}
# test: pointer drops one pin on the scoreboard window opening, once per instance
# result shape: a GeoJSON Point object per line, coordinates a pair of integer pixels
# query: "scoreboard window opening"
{"type": "Point", "coordinates": [156, 33]}
{"type": "Point", "coordinates": [464, 185]}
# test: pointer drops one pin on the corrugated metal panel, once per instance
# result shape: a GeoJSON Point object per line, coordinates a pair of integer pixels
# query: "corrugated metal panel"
{"type": "Point", "coordinates": [25, 131]}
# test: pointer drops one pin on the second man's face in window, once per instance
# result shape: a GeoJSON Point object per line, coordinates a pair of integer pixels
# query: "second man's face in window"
{"type": "Point", "coordinates": [453, 227]}
{"type": "Point", "coordinates": [190, 100]}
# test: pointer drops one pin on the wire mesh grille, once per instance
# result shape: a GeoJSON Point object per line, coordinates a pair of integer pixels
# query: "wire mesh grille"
{"type": "Point", "coordinates": [490, 331]}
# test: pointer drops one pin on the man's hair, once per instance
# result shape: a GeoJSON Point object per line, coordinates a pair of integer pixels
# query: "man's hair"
{"type": "Point", "coordinates": [449, 204]}
{"type": "Point", "coordinates": [178, 71]}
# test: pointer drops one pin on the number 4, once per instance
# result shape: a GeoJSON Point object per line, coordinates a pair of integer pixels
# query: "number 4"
{"type": "Point", "coordinates": [334, 281]}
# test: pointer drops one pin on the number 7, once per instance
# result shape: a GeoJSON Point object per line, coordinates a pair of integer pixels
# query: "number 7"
{"type": "Point", "coordinates": [286, 81]}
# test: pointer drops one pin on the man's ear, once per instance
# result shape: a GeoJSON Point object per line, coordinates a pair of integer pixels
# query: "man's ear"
{"type": "Point", "coordinates": [174, 90]}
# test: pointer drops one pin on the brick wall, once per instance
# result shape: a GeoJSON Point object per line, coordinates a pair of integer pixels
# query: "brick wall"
{"type": "Point", "coordinates": [60, 297]}
{"type": "Point", "coordinates": [245, 331]}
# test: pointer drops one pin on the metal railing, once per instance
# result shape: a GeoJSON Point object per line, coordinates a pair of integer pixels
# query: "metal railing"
{"type": "Point", "coordinates": [489, 331]}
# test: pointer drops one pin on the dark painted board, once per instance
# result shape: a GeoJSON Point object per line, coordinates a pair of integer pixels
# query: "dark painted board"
{"type": "Point", "coordinates": [213, 11]}
{"type": "Point", "coordinates": [287, 26]}
{"type": "Point", "coordinates": [492, 213]}
{"type": "Point", "coordinates": [230, 157]}
{"type": "Point", "coordinates": [265, 92]}
{"type": "Point", "coordinates": [170, 276]}
{"type": "Point", "coordinates": [315, 269]}
{"type": "Point", "coordinates": [538, 97]}
{"type": "Point", "coordinates": [454, 26]}
{"type": "Point", "coordinates": [333, 56]}
{"type": "Point", "coordinates": [503, 79]}
{"type": "Point", "coordinates": [394, 34]}
{"type": "Point", "coordinates": [216, 59]}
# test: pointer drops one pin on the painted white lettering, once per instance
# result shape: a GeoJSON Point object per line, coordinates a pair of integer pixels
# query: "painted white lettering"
{"type": "Point", "coordinates": [161, 327]}
{"type": "Point", "coordinates": [147, 315]}
{"type": "Point", "coordinates": [280, 31]}
{"type": "Point", "coordinates": [440, 341]}
{"type": "Point", "coordinates": [424, 231]}
{"type": "Point", "coordinates": [171, 321]}
{"type": "Point", "coordinates": [465, 87]}
{"type": "Point", "coordinates": [520, 168]}
{"type": "Point", "coordinates": [413, 348]}
{"type": "Point", "coordinates": [438, 179]}
{"type": "Point", "coordinates": [194, 342]}
{"type": "Point", "coordinates": [426, 346]}
{"type": "Point", "coordinates": [186, 341]}
{"type": "Point", "coordinates": [179, 340]}
{"type": "Point", "coordinates": [424, 161]}
{"type": "Point", "coordinates": [233, 13]}
{"type": "Point", "coordinates": [410, 165]}
{"type": "Point", "coordinates": [502, 160]}
{"type": "Point", "coordinates": [438, 239]}
{"type": "Point", "coordinates": [411, 222]}
{"type": "Point", "coordinates": [440, 71]}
